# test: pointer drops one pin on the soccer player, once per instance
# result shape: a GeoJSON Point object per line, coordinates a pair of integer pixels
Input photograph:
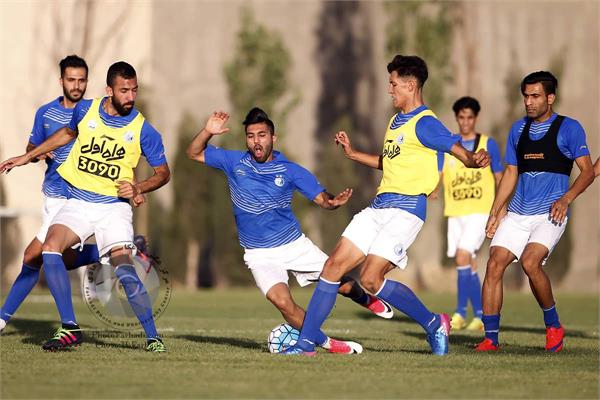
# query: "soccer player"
{"type": "Point", "coordinates": [110, 137]}
{"type": "Point", "coordinates": [381, 234]}
{"type": "Point", "coordinates": [262, 182]}
{"type": "Point", "coordinates": [468, 197]}
{"type": "Point", "coordinates": [49, 118]}
{"type": "Point", "coordinates": [540, 151]}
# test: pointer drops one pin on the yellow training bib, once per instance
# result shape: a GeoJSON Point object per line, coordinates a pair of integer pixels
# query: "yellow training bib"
{"type": "Point", "coordinates": [102, 155]}
{"type": "Point", "coordinates": [467, 190]}
{"type": "Point", "coordinates": [408, 166]}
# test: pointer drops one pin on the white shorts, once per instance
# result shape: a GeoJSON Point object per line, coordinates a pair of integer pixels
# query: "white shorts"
{"type": "Point", "coordinates": [270, 266]}
{"type": "Point", "coordinates": [50, 208]}
{"type": "Point", "coordinates": [466, 232]}
{"type": "Point", "coordinates": [516, 231]}
{"type": "Point", "coordinates": [385, 232]}
{"type": "Point", "coordinates": [111, 223]}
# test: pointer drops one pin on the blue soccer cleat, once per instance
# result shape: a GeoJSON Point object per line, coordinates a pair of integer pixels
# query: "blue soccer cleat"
{"type": "Point", "coordinates": [439, 339]}
{"type": "Point", "coordinates": [298, 351]}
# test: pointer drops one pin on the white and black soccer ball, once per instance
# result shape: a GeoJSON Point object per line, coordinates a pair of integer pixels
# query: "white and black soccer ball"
{"type": "Point", "coordinates": [281, 337]}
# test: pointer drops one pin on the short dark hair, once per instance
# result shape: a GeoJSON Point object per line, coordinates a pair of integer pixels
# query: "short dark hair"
{"type": "Point", "coordinates": [122, 69]}
{"type": "Point", "coordinates": [409, 66]}
{"type": "Point", "coordinates": [257, 116]}
{"type": "Point", "coordinates": [466, 102]}
{"type": "Point", "coordinates": [548, 81]}
{"type": "Point", "coordinates": [72, 61]}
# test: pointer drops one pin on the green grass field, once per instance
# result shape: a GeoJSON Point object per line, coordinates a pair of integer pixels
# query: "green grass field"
{"type": "Point", "coordinates": [217, 349]}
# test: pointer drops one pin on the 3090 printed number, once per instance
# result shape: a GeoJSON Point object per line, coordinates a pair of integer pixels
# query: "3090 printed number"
{"type": "Point", "coordinates": [98, 168]}
{"type": "Point", "coordinates": [473, 192]}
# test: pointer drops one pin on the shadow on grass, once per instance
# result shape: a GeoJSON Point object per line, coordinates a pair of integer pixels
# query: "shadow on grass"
{"type": "Point", "coordinates": [36, 332]}
{"type": "Point", "coordinates": [568, 332]}
{"type": "Point", "coordinates": [370, 316]}
{"type": "Point", "coordinates": [226, 341]}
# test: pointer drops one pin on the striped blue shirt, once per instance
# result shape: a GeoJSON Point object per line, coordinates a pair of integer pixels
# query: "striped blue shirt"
{"type": "Point", "coordinates": [261, 195]}
{"type": "Point", "coordinates": [49, 118]}
{"type": "Point", "coordinates": [150, 142]}
{"type": "Point", "coordinates": [536, 191]}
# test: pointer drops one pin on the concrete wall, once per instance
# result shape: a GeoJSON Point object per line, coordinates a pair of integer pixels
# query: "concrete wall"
{"type": "Point", "coordinates": [179, 49]}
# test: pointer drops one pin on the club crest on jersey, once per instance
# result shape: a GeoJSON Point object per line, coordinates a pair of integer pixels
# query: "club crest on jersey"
{"type": "Point", "coordinates": [91, 124]}
{"type": "Point", "coordinates": [400, 139]}
{"type": "Point", "coordinates": [128, 137]}
{"type": "Point", "coordinates": [399, 249]}
{"type": "Point", "coordinates": [279, 181]}
{"type": "Point", "coordinates": [240, 172]}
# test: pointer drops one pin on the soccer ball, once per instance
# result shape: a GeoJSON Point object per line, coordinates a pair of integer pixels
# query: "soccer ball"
{"type": "Point", "coordinates": [281, 337]}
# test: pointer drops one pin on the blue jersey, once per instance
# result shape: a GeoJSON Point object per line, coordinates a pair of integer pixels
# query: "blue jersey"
{"type": "Point", "coordinates": [492, 148]}
{"type": "Point", "coordinates": [49, 118]}
{"type": "Point", "coordinates": [536, 191]}
{"type": "Point", "coordinates": [261, 195]}
{"type": "Point", "coordinates": [150, 143]}
{"type": "Point", "coordinates": [432, 134]}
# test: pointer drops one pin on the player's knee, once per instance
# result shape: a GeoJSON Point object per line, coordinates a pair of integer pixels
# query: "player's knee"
{"type": "Point", "coordinates": [463, 258]}
{"type": "Point", "coordinates": [120, 255]}
{"type": "Point", "coordinates": [371, 280]}
{"type": "Point", "coordinates": [51, 246]}
{"type": "Point", "coordinates": [495, 268]}
{"type": "Point", "coordinates": [531, 264]}
{"type": "Point", "coordinates": [32, 258]}
{"type": "Point", "coordinates": [333, 270]}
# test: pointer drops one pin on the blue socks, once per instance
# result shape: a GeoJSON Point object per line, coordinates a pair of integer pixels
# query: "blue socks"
{"type": "Point", "coordinates": [88, 255]}
{"type": "Point", "coordinates": [59, 285]}
{"type": "Point", "coordinates": [550, 317]}
{"type": "Point", "coordinates": [475, 294]}
{"type": "Point", "coordinates": [19, 290]}
{"type": "Point", "coordinates": [463, 283]}
{"type": "Point", "coordinates": [138, 298]}
{"type": "Point", "coordinates": [319, 307]}
{"type": "Point", "coordinates": [29, 276]}
{"type": "Point", "coordinates": [401, 297]}
{"type": "Point", "coordinates": [491, 324]}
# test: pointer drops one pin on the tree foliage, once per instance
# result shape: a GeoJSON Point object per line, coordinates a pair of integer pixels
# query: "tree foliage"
{"type": "Point", "coordinates": [423, 29]}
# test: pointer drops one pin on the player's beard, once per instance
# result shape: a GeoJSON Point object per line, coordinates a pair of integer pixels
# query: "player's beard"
{"type": "Point", "coordinates": [74, 95]}
{"type": "Point", "coordinates": [120, 107]}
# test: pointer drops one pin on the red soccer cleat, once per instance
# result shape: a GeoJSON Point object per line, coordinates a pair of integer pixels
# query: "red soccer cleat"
{"type": "Point", "coordinates": [343, 347]}
{"type": "Point", "coordinates": [554, 338]}
{"type": "Point", "coordinates": [486, 345]}
{"type": "Point", "coordinates": [379, 307]}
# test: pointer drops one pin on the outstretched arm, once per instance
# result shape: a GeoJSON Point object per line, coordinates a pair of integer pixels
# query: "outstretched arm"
{"type": "Point", "coordinates": [61, 137]}
{"type": "Point", "coordinates": [215, 125]}
{"type": "Point", "coordinates": [499, 209]}
{"type": "Point", "coordinates": [481, 159]}
{"type": "Point", "coordinates": [330, 202]}
{"type": "Point", "coordinates": [370, 160]}
{"type": "Point", "coordinates": [558, 211]}
{"type": "Point", "coordinates": [597, 167]}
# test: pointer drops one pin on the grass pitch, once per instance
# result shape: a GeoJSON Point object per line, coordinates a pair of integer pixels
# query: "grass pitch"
{"type": "Point", "coordinates": [217, 349]}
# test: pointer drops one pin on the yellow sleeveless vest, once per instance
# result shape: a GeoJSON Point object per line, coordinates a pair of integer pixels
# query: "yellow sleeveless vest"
{"type": "Point", "coordinates": [102, 155]}
{"type": "Point", "coordinates": [408, 167]}
{"type": "Point", "coordinates": [467, 190]}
